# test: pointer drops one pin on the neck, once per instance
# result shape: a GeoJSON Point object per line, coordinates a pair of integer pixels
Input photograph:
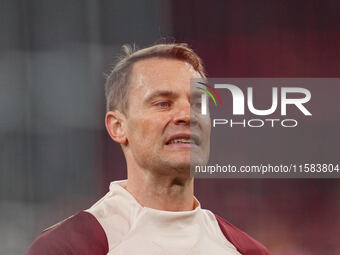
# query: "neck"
{"type": "Point", "coordinates": [168, 193]}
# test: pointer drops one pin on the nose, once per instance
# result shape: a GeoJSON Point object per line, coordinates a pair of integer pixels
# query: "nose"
{"type": "Point", "coordinates": [182, 119]}
{"type": "Point", "coordinates": [182, 115]}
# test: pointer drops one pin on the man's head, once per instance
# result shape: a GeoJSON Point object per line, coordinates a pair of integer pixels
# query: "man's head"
{"type": "Point", "coordinates": [117, 84]}
{"type": "Point", "coordinates": [151, 111]}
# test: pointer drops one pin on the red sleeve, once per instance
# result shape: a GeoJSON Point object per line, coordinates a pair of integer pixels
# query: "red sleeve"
{"type": "Point", "coordinates": [80, 234]}
{"type": "Point", "coordinates": [245, 244]}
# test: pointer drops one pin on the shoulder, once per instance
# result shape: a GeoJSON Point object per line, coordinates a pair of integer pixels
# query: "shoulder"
{"type": "Point", "coordinates": [245, 244]}
{"type": "Point", "coordinates": [79, 234]}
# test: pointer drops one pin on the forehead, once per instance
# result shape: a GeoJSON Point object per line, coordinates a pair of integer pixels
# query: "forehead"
{"type": "Point", "coordinates": [161, 72]}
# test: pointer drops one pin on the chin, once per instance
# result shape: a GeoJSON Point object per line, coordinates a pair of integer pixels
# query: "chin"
{"type": "Point", "coordinates": [182, 167]}
{"type": "Point", "coordinates": [198, 159]}
{"type": "Point", "coordinates": [185, 164]}
{"type": "Point", "coordinates": [183, 161]}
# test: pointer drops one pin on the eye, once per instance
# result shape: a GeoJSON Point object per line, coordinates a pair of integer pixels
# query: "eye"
{"type": "Point", "coordinates": [197, 105]}
{"type": "Point", "coordinates": [163, 104]}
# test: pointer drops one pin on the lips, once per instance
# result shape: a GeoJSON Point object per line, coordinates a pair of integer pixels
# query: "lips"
{"type": "Point", "coordinates": [183, 139]}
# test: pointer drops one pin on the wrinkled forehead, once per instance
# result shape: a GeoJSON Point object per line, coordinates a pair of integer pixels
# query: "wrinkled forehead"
{"type": "Point", "coordinates": [156, 72]}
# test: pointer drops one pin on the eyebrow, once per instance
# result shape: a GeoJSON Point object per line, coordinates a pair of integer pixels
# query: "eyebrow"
{"type": "Point", "coordinates": [196, 94]}
{"type": "Point", "coordinates": [160, 93]}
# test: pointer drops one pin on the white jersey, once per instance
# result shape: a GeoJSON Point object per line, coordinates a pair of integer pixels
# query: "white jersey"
{"type": "Point", "coordinates": [133, 229]}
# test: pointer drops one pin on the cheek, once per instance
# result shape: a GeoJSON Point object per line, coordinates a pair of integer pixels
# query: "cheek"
{"type": "Point", "coordinates": [206, 125]}
{"type": "Point", "coordinates": [144, 130]}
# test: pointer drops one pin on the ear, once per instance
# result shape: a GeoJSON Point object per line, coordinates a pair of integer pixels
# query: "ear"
{"type": "Point", "coordinates": [114, 122]}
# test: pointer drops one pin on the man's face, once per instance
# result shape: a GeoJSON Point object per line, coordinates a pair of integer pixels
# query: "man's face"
{"type": "Point", "coordinates": [163, 132]}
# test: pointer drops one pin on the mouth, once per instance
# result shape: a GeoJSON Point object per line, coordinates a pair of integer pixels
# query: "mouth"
{"type": "Point", "coordinates": [183, 139]}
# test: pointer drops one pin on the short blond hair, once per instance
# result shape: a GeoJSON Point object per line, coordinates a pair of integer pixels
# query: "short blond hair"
{"type": "Point", "coordinates": [117, 82]}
